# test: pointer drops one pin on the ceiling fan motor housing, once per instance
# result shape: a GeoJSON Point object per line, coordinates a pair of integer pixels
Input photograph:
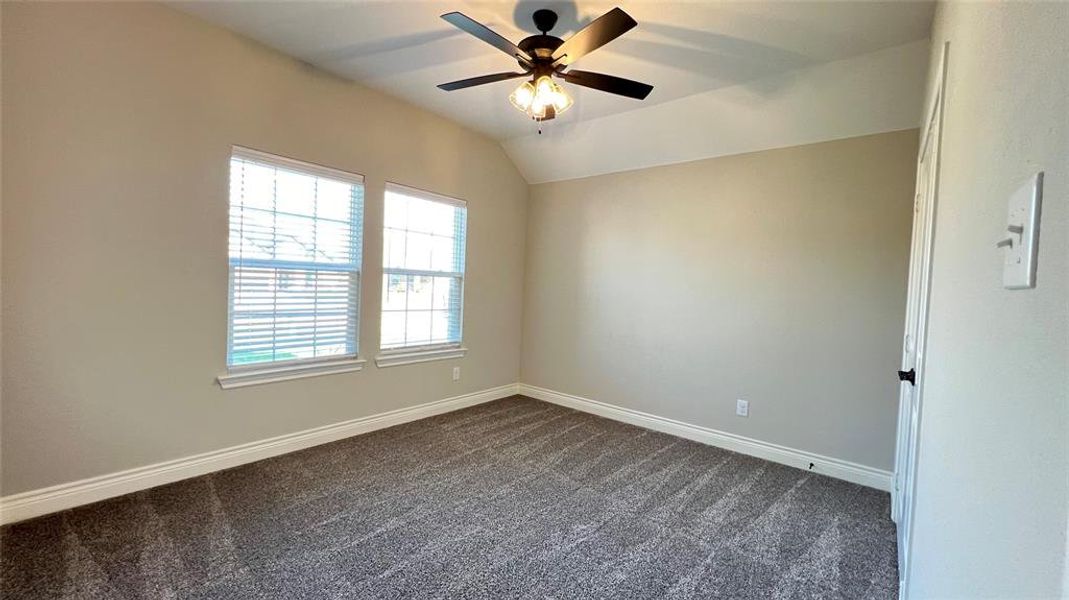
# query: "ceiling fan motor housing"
{"type": "Point", "coordinates": [540, 47]}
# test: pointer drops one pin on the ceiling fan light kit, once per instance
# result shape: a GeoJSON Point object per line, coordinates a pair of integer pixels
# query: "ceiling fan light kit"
{"type": "Point", "coordinates": [542, 99]}
{"type": "Point", "coordinates": [543, 57]}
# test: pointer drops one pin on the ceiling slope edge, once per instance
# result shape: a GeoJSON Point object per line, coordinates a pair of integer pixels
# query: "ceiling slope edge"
{"type": "Point", "coordinates": [871, 93]}
{"type": "Point", "coordinates": [182, 9]}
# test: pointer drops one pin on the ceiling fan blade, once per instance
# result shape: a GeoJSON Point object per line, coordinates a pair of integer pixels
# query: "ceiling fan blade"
{"type": "Point", "coordinates": [484, 33]}
{"type": "Point", "coordinates": [601, 31]}
{"type": "Point", "coordinates": [474, 81]}
{"type": "Point", "coordinates": [608, 83]}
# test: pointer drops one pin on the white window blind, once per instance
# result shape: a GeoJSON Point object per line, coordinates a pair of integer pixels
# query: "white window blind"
{"type": "Point", "coordinates": [424, 241]}
{"type": "Point", "coordinates": [295, 250]}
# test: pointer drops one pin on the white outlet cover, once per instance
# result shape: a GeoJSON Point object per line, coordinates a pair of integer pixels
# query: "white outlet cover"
{"type": "Point", "coordinates": [742, 408]}
{"type": "Point", "coordinates": [1019, 261]}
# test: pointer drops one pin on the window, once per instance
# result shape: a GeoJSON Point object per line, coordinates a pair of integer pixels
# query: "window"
{"type": "Point", "coordinates": [295, 250]}
{"type": "Point", "coordinates": [423, 270]}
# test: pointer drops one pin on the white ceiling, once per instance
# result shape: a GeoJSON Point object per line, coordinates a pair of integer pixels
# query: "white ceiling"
{"type": "Point", "coordinates": [872, 93]}
{"type": "Point", "coordinates": [683, 49]}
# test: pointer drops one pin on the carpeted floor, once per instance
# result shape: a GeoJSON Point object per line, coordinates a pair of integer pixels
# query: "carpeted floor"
{"type": "Point", "coordinates": [511, 499]}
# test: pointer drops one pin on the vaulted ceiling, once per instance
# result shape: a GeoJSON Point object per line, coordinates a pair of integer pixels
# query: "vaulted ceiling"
{"type": "Point", "coordinates": [685, 50]}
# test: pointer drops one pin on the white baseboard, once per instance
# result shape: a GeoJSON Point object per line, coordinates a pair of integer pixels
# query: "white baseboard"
{"type": "Point", "coordinates": [69, 495]}
{"type": "Point", "coordinates": [34, 503]}
{"type": "Point", "coordinates": [825, 465]}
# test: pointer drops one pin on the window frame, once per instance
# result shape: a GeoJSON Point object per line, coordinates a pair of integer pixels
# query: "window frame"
{"type": "Point", "coordinates": [416, 353]}
{"type": "Point", "coordinates": [241, 375]}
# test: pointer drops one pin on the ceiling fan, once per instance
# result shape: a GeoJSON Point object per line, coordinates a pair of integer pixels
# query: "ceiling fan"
{"type": "Point", "coordinates": [545, 56]}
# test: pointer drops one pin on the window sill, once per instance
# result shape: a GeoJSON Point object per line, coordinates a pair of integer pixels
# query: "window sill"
{"type": "Point", "coordinates": [397, 358]}
{"type": "Point", "coordinates": [239, 379]}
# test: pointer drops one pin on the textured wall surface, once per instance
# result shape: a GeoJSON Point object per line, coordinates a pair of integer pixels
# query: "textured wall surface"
{"type": "Point", "coordinates": [991, 505]}
{"type": "Point", "coordinates": [777, 276]}
{"type": "Point", "coordinates": [118, 122]}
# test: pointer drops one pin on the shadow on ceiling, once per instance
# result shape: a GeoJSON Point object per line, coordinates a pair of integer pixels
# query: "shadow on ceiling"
{"type": "Point", "coordinates": [714, 60]}
{"type": "Point", "coordinates": [569, 20]}
{"type": "Point", "coordinates": [401, 42]}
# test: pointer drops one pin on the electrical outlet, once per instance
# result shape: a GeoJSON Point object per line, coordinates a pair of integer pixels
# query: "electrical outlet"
{"type": "Point", "coordinates": [742, 408]}
{"type": "Point", "coordinates": [456, 373]}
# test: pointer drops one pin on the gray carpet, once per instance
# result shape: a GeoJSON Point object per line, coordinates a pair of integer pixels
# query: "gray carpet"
{"type": "Point", "coordinates": [511, 499]}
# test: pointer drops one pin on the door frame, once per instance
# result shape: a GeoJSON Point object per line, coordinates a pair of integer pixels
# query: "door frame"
{"type": "Point", "coordinates": [918, 299]}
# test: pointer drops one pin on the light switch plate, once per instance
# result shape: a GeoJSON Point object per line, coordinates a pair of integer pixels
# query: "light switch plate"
{"type": "Point", "coordinates": [1021, 243]}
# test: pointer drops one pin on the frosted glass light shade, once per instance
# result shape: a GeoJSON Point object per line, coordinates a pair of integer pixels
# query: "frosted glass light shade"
{"type": "Point", "coordinates": [522, 97]}
{"type": "Point", "coordinates": [541, 99]}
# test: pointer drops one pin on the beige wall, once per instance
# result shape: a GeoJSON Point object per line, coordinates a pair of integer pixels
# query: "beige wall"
{"type": "Point", "coordinates": [118, 121]}
{"type": "Point", "coordinates": [778, 277]}
{"type": "Point", "coordinates": [993, 469]}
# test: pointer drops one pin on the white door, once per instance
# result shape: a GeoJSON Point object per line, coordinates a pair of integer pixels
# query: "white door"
{"type": "Point", "coordinates": [911, 374]}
